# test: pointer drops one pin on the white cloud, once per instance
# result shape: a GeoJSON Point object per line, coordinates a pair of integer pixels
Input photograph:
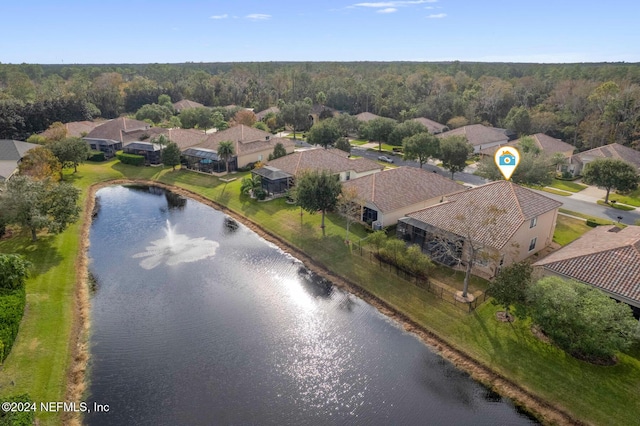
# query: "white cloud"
{"type": "Point", "coordinates": [437, 16]}
{"type": "Point", "coordinates": [225, 16]}
{"type": "Point", "coordinates": [387, 10]}
{"type": "Point", "coordinates": [258, 17]}
{"type": "Point", "coordinates": [393, 4]}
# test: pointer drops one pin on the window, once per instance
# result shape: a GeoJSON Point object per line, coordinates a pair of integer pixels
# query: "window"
{"type": "Point", "coordinates": [532, 244]}
{"type": "Point", "coordinates": [534, 222]}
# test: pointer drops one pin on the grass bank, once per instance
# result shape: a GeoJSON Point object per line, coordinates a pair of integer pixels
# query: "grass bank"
{"type": "Point", "coordinates": [616, 206]}
{"type": "Point", "coordinates": [592, 394]}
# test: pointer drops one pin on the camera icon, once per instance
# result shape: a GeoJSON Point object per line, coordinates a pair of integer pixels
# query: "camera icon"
{"type": "Point", "coordinates": [507, 159]}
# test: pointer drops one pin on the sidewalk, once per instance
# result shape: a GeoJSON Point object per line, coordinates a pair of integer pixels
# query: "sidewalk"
{"type": "Point", "coordinates": [590, 194]}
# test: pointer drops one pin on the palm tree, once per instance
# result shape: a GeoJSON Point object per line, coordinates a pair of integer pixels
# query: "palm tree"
{"type": "Point", "coordinates": [225, 152]}
{"type": "Point", "coordinates": [250, 184]}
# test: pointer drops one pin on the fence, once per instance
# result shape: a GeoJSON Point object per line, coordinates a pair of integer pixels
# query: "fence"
{"type": "Point", "coordinates": [439, 289]}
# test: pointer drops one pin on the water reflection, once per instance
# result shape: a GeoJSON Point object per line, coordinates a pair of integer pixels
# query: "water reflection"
{"type": "Point", "coordinates": [175, 249]}
{"type": "Point", "coordinates": [248, 335]}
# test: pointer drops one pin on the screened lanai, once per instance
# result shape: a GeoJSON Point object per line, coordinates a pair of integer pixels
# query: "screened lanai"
{"type": "Point", "coordinates": [205, 160]}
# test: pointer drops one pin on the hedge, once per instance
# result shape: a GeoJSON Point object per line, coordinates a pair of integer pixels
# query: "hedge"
{"type": "Point", "coordinates": [133, 159]}
{"type": "Point", "coordinates": [96, 156]}
{"type": "Point", "coordinates": [18, 417]}
{"type": "Point", "coordinates": [12, 304]}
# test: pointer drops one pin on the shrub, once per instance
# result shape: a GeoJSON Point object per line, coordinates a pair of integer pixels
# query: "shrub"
{"type": "Point", "coordinates": [133, 159]}
{"type": "Point", "coordinates": [260, 193]}
{"type": "Point", "coordinates": [592, 223]}
{"type": "Point", "coordinates": [96, 156]}
{"type": "Point", "coordinates": [18, 418]}
{"type": "Point", "coordinates": [12, 304]}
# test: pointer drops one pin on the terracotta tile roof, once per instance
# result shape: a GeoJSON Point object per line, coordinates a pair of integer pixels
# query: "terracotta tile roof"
{"type": "Point", "coordinates": [477, 134]}
{"type": "Point", "coordinates": [433, 126]}
{"type": "Point", "coordinates": [394, 189]}
{"type": "Point", "coordinates": [184, 138]}
{"type": "Point", "coordinates": [606, 257]}
{"type": "Point", "coordinates": [260, 115]}
{"type": "Point", "coordinates": [246, 140]}
{"type": "Point", "coordinates": [366, 116]}
{"type": "Point", "coordinates": [614, 150]}
{"type": "Point", "coordinates": [464, 213]}
{"type": "Point", "coordinates": [186, 104]}
{"type": "Point", "coordinates": [112, 129]}
{"type": "Point", "coordinates": [333, 160]}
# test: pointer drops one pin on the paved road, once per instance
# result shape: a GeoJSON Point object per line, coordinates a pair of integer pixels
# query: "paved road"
{"type": "Point", "coordinates": [569, 203]}
{"type": "Point", "coordinates": [594, 209]}
{"type": "Point", "coordinates": [398, 161]}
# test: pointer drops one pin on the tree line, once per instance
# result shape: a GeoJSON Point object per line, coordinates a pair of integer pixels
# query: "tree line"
{"type": "Point", "coordinates": [587, 105]}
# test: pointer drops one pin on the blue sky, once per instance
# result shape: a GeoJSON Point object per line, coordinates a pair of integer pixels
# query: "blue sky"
{"type": "Point", "coordinates": [142, 31]}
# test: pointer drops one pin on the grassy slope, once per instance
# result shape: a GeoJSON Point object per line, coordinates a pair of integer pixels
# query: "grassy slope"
{"type": "Point", "coordinates": [569, 229]}
{"type": "Point", "coordinates": [567, 185]}
{"type": "Point", "coordinates": [602, 395]}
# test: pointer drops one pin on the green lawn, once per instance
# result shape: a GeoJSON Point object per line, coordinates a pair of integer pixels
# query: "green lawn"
{"type": "Point", "coordinates": [567, 185]}
{"type": "Point", "coordinates": [632, 199]}
{"type": "Point", "coordinates": [358, 141]}
{"type": "Point", "coordinates": [615, 206]}
{"type": "Point", "coordinates": [37, 364]}
{"type": "Point", "coordinates": [598, 220]}
{"type": "Point", "coordinates": [569, 229]}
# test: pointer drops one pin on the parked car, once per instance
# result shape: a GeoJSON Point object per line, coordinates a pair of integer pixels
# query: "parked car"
{"type": "Point", "coordinates": [385, 159]}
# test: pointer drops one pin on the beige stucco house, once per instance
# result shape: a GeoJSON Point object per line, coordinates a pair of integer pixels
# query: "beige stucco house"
{"type": "Point", "coordinates": [578, 161]}
{"type": "Point", "coordinates": [501, 221]}
{"type": "Point", "coordinates": [250, 144]}
{"type": "Point", "coordinates": [393, 193]}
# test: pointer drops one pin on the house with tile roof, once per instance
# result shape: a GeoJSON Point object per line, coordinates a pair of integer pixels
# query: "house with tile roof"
{"type": "Point", "coordinates": [620, 152]}
{"type": "Point", "coordinates": [184, 138]}
{"type": "Point", "coordinates": [606, 257]}
{"type": "Point", "coordinates": [394, 193]}
{"type": "Point", "coordinates": [109, 136]}
{"type": "Point", "coordinates": [501, 222]}
{"type": "Point", "coordinates": [284, 169]}
{"type": "Point", "coordinates": [11, 153]}
{"type": "Point", "coordinates": [479, 136]}
{"type": "Point", "coordinates": [433, 126]}
{"type": "Point", "coordinates": [186, 104]}
{"type": "Point", "coordinates": [262, 114]}
{"type": "Point", "coordinates": [546, 144]}
{"type": "Point", "coordinates": [250, 144]}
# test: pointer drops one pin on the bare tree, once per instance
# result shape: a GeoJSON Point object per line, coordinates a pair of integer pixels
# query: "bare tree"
{"type": "Point", "coordinates": [467, 244]}
{"type": "Point", "coordinates": [350, 206]}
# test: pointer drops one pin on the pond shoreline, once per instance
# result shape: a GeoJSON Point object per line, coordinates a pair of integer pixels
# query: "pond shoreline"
{"type": "Point", "coordinates": [77, 375]}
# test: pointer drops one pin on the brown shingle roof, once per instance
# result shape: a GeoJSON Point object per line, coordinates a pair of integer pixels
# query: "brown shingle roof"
{"type": "Point", "coordinates": [112, 129]}
{"type": "Point", "coordinates": [260, 115]}
{"type": "Point", "coordinates": [77, 129]}
{"type": "Point", "coordinates": [614, 150]}
{"type": "Point", "coordinates": [477, 134]}
{"type": "Point", "coordinates": [186, 104]}
{"type": "Point", "coordinates": [605, 257]}
{"type": "Point", "coordinates": [322, 159]}
{"type": "Point", "coordinates": [401, 187]}
{"type": "Point", "coordinates": [366, 116]}
{"type": "Point", "coordinates": [551, 145]}
{"type": "Point", "coordinates": [433, 126]}
{"type": "Point", "coordinates": [464, 213]}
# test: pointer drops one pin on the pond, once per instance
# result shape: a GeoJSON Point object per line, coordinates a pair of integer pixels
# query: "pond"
{"type": "Point", "coordinates": [198, 320]}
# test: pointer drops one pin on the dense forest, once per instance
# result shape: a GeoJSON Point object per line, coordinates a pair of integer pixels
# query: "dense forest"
{"type": "Point", "coordinates": [588, 105]}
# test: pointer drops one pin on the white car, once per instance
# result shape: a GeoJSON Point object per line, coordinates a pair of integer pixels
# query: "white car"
{"type": "Point", "coordinates": [385, 159]}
